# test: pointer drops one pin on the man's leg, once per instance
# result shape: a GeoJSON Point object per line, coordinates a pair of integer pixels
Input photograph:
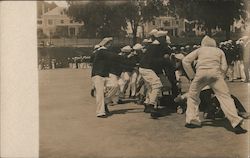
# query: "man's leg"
{"type": "Point", "coordinates": [227, 104]}
{"type": "Point", "coordinates": [155, 84]}
{"type": "Point", "coordinates": [230, 72]}
{"type": "Point", "coordinates": [242, 72]}
{"type": "Point", "coordinates": [99, 87]}
{"type": "Point", "coordinates": [133, 84]}
{"type": "Point", "coordinates": [246, 69]}
{"type": "Point", "coordinates": [112, 87]}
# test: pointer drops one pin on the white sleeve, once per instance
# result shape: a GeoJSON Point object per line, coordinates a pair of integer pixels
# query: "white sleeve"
{"type": "Point", "coordinates": [187, 61]}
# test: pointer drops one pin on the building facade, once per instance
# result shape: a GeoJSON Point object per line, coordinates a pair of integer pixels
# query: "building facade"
{"type": "Point", "coordinates": [174, 26]}
{"type": "Point", "coordinates": [56, 22]}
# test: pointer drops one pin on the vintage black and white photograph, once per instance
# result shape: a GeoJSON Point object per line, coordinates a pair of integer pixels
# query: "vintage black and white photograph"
{"type": "Point", "coordinates": [143, 78]}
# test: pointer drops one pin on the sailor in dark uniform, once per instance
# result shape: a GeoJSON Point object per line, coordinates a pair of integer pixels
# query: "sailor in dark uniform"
{"type": "Point", "coordinates": [100, 75]}
{"type": "Point", "coordinates": [152, 64]}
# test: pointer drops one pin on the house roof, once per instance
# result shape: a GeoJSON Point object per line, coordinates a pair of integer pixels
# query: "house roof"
{"type": "Point", "coordinates": [55, 11]}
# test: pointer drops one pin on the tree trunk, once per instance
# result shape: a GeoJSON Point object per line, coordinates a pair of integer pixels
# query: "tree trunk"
{"type": "Point", "coordinates": [143, 31]}
{"type": "Point", "coordinates": [134, 36]}
{"type": "Point", "coordinates": [227, 29]}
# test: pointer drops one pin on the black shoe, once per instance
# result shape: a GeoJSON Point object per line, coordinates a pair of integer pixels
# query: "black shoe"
{"type": "Point", "coordinates": [155, 114]}
{"type": "Point", "coordinates": [190, 125]}
{"type": "Point", "coordinates": [239, 130]}
{"type": "Point", "coordinates": [102, 116]}
{"type": "Point", "coordinates": [193, 124]}
{"type": "Point", "coordinates": [119, 101]}
{"type": "Point", "coordinates": [149, 108]}
{"type": "Point", "coordinates": [106, 109]}
{"type": "Point", "coordinates": [145, 108]}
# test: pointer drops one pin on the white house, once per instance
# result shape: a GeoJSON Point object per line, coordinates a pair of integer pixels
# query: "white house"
{"type": "Point", "coordinates": [53, 20]}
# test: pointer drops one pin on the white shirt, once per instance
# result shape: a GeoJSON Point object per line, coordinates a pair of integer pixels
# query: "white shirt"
{"type": "Point", "coordinates": [207, 58]}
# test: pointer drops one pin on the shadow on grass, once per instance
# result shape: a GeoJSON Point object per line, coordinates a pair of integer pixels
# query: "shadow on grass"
{"type": "Point", "coordinates": [223, 122]}
{"type": "Point", "coordinates": [124, 111]}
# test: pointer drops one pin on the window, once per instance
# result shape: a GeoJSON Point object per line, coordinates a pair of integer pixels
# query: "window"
{"type": "Point", "coordinates": [166, 23]}
{"type": "Point", "coordinates": [153, 22]}
{"type": "Point", "coordinates": [40, 22]}
{"type": "Point", "coordinates": [50, 22]}
{"type": "Point", "coordinates": [177, 22]}
{"type": "Point", "coordinates": [71, 21]}
{"type": "Point", "coordinates": [62, 21]}
{"type": "Point", "coordinates": [72, 31]}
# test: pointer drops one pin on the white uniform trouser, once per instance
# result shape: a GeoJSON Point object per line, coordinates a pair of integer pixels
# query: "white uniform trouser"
{"type": "Point", "coordinates": [242, 71]}
{"type": "Point", "coordinates": [230, 72]}
{"type": "Point", "coordinates": [133, 80]}
{"type": "Point", "coordinates": [111, 89]}
{"type": "Point", "coordinates": [215, 80]}
{"type": "Point", "coordinates": [236, 69]}
{"type": "Point", "coordinates": [103, 94]}
{"type": "Point", "coordinates": [74, 65]}
{"type": "Point", "coordinates": [124, 80]}
{"type": "Point", "coordinates": [153, 84]}
{"type": "Point", "coordinates": [71, 65]}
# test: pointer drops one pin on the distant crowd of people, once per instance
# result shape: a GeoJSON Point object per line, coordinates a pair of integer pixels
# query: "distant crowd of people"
{"type": "Point", "coordinates": [79, 62]}
{"type": "Point", "coordinates": [149, 70]}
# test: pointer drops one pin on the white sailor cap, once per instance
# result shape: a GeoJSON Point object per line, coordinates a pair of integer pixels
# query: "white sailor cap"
{"type": "Point", "coordinates": [161, 33]}
{"type": "Point", "coordinates": [153, 32]}
{"type": "Point", "coordinates": [96, 46]}
{"type": "Point", "coordinates": [179, 56]}
{"type": "Point", "coordinates": [187, 46]}
{"type": "Point", "coordinates": [145, 41]}
{"type": "Point", "coordinates": [137, 46]}
{"type": "Point", "coordinates": [237, 42]}
{"type": "Point", "coordinates": [182, 48]}
{"type": "Point", "coordinates": [155, 42]}
{"type": "Point", "coordinates": [126, 49]}
{"type": "Point", "coordinates": [173, 48]}
{"type": "Point", "coordinates": [150, 40]}
{"type": "Point", "coordinates": [195, 46]}
{"type": "Point", "coordinates": [105, 41]}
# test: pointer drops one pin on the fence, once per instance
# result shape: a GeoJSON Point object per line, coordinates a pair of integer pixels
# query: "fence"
{"type": "Point", "coordinates": [76, 42]}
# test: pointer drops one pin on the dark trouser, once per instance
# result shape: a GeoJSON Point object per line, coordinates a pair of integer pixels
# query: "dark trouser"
{"type": "Point", "coordinates": [213, 103]}
{"type": "Point", "coordinates": [209, 104]}
{"type": "Point", "coordinates": [172, 78]}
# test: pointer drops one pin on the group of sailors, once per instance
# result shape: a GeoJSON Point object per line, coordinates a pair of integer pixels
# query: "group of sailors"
{"type": "Point", "coordinates": [237, 68]}
{"type": "Point", "coordinates": [147, 70]}
{"type": "Point", "coordinates": [79, 62]}
{"type": "Point", "coordinates": [47, 63]}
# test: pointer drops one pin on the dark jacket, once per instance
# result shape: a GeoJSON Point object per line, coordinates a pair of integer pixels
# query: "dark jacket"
{"type": "Point", "coordinates": [154, 58]}
{"type": "Point", "coordinates": [106, 62]}
{"type": "Point", "coordinates": [100, 64]}
{"type": "Point", "coordinates": [129, 63]}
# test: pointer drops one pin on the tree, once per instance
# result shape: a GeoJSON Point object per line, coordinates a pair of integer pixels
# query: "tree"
{"type": "Point", "coordinates": [110, 18]}
{"type": "Point", "coordinates": [141, 12]}
{"type": "Point", "coordinates": [100, 19]}
{"type": "Point", "coordinates": [211, 13]}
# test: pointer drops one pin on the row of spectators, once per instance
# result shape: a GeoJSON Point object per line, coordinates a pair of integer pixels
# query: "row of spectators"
{"type": "Point", "coordinates": [79, 62]}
